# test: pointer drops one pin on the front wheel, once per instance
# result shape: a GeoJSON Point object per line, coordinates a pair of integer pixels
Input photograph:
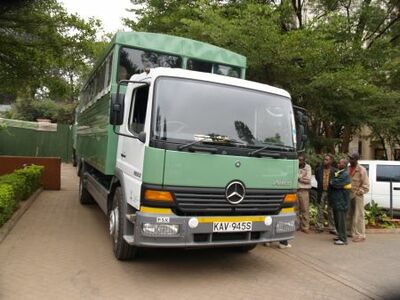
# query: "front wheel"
{"type": "Point", "coordinates": [118, 223]}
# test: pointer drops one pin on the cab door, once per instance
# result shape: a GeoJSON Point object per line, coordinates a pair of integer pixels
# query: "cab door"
{"type": "Point", "coordinates": [130, 148]}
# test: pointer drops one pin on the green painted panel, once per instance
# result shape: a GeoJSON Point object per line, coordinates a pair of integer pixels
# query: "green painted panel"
{"type": "Point", "coordinates": [111, 151]}
{"type": "Point", "coordinates": [180, 46]}
{"type": "Point", "coordinates": [210, 170]}
{"type": "Point", "coordinates": [27, 139]}
{"type": "Point", "coordinates": [153, 165]}
{"type": "Point", "coordinates": [96, 141]}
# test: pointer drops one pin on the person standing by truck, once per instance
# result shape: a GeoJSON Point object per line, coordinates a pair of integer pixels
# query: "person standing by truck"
{"type": "Point", "coordinates": [323, 175]}
{"type": "Point", "coordinates": [359, 187]}
{"type": "Point", "coordinates": [339, 198]}
{"type": "Point", "coordinates": [303, 194]}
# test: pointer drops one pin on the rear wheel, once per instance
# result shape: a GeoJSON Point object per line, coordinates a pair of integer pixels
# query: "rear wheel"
{"type": "Point", "coordinates": [118, 223]}
{"type": "Point", "coordinates": [84, 195]}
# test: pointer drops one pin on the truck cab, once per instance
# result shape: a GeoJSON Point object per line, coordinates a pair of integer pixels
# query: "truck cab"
{"type": "Point", "coordinates": [202, 160]}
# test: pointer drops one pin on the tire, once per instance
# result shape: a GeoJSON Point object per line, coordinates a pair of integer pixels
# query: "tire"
{"type": "Point", "coordinates": [118, 223]}
{"type": "Point", "coordinates": [84, 195]}
{"type": "Point", "coordinates": [247, 248]}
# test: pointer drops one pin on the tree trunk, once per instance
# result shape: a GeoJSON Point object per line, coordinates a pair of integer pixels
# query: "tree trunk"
{"type": "Point", "coordinates": [330, 148]}
{"type": "Point", "coordinates": [298, 10]}
{"type": "Point", "coordinates": [346, 138]}
{"type": "Point", "coordinates": [71, 83]}
{"type": "Point", "coordinates": [382, 140]}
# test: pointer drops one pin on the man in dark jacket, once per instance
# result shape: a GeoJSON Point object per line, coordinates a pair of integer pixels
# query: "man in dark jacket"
{"type": "Point", "coordinates": [339, 198]}
{"type": "Point", "coordinates": [323, 174]}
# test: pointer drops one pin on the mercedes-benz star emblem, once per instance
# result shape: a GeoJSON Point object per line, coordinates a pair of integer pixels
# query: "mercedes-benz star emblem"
{"type": "Point", "coordinates": [235, 192]}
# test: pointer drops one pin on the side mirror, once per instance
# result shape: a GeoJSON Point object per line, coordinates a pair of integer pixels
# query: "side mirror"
{"type": "Point", "coordinates": [301, 119]}
{"type": "Point", "coordinates": [117, 109]}
{"type": "Point", "coordinates": [299, 115]}
{"type": "Point", "coordinates": [300, 137]}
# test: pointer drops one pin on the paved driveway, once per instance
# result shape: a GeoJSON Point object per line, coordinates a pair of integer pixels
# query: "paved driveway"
{"type": "Point", "coordinates": [61, 250]}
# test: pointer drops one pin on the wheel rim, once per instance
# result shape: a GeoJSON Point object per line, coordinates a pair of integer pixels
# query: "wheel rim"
{"type": "Point", "coordinates": [114, 218]}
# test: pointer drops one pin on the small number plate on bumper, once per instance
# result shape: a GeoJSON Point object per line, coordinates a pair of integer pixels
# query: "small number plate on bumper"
{"type": "Point", "coordinates": [232, 226]}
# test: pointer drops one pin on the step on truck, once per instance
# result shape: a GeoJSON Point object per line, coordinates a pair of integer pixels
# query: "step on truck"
{"type": "Point", "coordinates": [201, 160]}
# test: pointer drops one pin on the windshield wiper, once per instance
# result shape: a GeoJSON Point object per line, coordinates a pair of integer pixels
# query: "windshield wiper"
{"type": "Point", "coordinates": [181, 147]}
{"type": "Point", "coordinates": [271, 146]}
{"type": "Point", "coordinates": [212, 139]}
{"type": "Point", "coordinates": [234, 142]}
{"type": "Point", "coordinates": [198, 149]}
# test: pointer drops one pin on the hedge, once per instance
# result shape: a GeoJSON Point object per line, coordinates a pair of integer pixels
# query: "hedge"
{"type": "Point", "coordinates": [16, 187]}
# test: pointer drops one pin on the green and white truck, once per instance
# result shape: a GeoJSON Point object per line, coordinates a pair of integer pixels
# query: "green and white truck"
{"type": "Point", "coordinates": [179, 158]}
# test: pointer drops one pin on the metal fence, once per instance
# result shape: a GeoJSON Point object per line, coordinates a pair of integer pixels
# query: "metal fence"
{"type": "Point", "coordinates": [22, 138]}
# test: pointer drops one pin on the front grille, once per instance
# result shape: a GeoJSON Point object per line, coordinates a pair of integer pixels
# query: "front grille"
{"type": "Point", "coordinates": [226, 236]}
{"type": "Point", "coordinates": [229, 236]}
{"type": "Point", "coordinates": [212, 201]}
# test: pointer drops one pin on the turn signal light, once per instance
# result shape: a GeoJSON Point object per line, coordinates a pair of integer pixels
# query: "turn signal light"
{"type": "Point", "coordinates": [290, 199]}
{"type": "Point", "coordinates": [162, 196]}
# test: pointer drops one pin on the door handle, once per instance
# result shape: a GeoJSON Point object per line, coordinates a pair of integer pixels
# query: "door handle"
{"type": "Point", "coordinates": [123, 155]}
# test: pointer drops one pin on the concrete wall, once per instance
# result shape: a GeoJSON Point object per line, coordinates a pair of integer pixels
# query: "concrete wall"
{"type": "Point", "coordinates": [368, 149]}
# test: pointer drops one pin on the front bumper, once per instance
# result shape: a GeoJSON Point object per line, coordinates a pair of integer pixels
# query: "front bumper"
{"type": "Point", "coordinates": [275, 228]}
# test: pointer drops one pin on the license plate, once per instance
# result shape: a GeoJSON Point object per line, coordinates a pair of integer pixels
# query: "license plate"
{"type": "Point", "coordinates": [232, 226]}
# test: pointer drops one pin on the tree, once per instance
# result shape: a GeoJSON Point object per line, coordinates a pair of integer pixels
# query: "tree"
{"type": "Point", "coordinates": [42, 45]}
{"type": "Point", "coordinates": [338, 59]}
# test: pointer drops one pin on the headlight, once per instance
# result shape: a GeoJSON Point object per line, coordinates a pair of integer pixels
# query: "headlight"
{"type": "Point", "coordinates": [160, 230]}
{"type": "Point", "coordinates": [285, 226]}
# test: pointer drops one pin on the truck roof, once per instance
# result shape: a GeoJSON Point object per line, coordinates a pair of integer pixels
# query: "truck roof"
{"type": "Point", "coordinates": [179, 46]}
{"type": "Point", "coordinates": [215, 78]}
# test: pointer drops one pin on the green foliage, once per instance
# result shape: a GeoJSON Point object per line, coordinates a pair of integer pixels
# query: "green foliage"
{"type": "Point", "coordinates": [23, 181]}
{"type": "Point", "coordinates": [315, 159]}
{"type": "Point", "coordinates": [341, 64]}
{"type": "Point", "coordinates": [8, 204]}
{"type": "Point", "coordinates": [32, 176]}
{"type": "Point", "coordinates": [375, 216]}
{"type": "Point", "coordinates": [30, 110]}
{"type": "Point", "coordinates": [42, 45]}
{"type": "Point", "coordinates": [19, 185]}
{"type": "Point", "coordinates": [16, 187]}
{"type": "Point", "coordinates": [313, 213]}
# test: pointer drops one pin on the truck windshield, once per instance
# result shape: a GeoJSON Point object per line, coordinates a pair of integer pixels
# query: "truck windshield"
{"type": "Point", "coordinates": [186, 109]}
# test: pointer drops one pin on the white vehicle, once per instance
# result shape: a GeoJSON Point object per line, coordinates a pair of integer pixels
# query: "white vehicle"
{"type": "Point", "coordinates": [380, 173]}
